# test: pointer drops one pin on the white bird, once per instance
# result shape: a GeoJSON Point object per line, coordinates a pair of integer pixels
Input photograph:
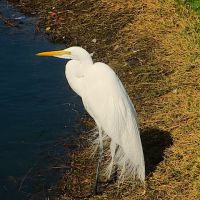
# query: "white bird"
{"type": "Point", "coordinates": [107, 102]}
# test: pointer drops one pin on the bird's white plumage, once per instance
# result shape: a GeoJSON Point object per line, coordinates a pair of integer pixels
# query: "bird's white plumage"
{"type": "Point", "coordinates": [106, 100]}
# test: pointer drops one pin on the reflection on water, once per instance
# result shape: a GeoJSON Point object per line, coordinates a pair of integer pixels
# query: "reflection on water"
{"type": "Point", "coordinates": [36, 104]}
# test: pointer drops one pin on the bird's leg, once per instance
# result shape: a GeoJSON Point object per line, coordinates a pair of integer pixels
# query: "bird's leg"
{"type": "Point", "coordinates": [99, 161]}
{"type": "Point", "coordinates": [115, 171]}
{"type": "Point", "coordinates": [113, 149]}
{"type": "Point", "coordinates": [112, 152]}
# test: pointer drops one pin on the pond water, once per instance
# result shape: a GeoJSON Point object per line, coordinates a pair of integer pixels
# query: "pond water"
{"type": "Point", "coordinates": [37, 106]}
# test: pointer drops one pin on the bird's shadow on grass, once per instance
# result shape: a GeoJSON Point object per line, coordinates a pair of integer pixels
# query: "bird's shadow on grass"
{"type": "Point", "coordinates": [155, 142]}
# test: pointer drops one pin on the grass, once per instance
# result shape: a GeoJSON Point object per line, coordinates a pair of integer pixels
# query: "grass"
{"type": "Point", "coordinates": [153, 46]}
{"type": "Point", "coordinates": [195, 5]}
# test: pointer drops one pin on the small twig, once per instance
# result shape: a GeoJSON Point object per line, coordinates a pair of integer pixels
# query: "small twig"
{"type": "Point", "coordinates": [60, 167]}
{"type": "Point", "coordinates": [26, 175]}
{"type": "Point", "coordinates": [7, 21]}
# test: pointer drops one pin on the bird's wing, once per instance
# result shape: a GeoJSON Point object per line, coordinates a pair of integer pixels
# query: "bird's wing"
{"type": "Point", "coordinates": [108, 103]}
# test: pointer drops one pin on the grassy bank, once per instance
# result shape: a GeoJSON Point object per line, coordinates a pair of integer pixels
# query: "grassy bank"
{"type": "Point", "coordinates": [154, 47]}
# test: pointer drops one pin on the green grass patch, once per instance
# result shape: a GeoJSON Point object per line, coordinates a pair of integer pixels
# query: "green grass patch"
{"type": "Point", "coordinates": [194, 4]}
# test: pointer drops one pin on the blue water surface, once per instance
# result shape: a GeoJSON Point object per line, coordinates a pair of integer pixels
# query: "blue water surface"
{"type": "Point", "coordinates": [37, 105]}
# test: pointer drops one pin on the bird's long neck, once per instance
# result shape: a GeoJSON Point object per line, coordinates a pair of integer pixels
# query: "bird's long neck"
{"type": "Point", "coordinates": [75, 72]}
{"type": "Point", "coordinates": [86, 60]}
{"type": "Point", "coordinates": [83, 65]}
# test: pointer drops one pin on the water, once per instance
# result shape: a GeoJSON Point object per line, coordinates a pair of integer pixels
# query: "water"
{"type": "Point", "coordinates": [37, 107]}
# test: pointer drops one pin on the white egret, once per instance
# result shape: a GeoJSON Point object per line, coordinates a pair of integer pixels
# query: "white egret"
{"type": "Point", "coordinates": [107, 102]}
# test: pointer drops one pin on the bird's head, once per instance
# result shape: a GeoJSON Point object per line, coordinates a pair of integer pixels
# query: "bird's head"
{"type": "Point", "coordinates": [71, 53]}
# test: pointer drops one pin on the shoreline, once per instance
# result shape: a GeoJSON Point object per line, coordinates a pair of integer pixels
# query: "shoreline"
{"type": "Point", "coordinates": [153, 48]}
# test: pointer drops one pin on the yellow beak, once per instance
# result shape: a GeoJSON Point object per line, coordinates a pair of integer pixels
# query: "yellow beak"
{"type": "Point", "coordinates": [54, 53]}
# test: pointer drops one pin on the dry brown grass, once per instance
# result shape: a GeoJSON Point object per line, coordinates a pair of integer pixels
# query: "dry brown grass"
{"type": "Point", "coordinates": [152, 45]}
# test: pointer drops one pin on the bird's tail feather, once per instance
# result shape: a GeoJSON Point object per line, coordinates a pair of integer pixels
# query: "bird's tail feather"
{"type": "Point", "coordinates": [128, 157]}
{"type": "Point", "coordinates": [120, 124]}
{"type": "Point", "coordinates": [128, 169]}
